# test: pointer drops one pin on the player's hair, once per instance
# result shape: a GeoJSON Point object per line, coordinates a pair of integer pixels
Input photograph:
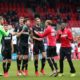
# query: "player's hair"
{"type": "Point", "coordinates": [26, 19]}
{"type": "Point", "coordinates": [63, 23]}
{"type": "Point", "coordinates": [37, 15]}
{"type": "Point", "coordinates": [49, 22]}
{"type": "Point", "coordinates": [37, 18]}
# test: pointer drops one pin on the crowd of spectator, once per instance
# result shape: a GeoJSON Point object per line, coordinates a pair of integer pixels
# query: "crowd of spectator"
{"type": "Point", "coordinates": [58, 10]}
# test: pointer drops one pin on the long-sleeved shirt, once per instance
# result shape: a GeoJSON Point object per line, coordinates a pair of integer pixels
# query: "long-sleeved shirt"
{"type": "Point", "coordinates": [50, 34]}
{"type": "Point", "coordinates": [2, 32]}
{"type": "Point", "coordinates": [65, 37]}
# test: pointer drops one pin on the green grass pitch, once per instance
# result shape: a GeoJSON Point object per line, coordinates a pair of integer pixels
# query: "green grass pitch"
{"type": "Point", "coordinates": [12, 72]}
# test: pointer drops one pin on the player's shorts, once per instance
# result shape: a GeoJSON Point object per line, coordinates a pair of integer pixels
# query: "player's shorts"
{"type": "Point", "coordinates": [51, 51]}
{"type": "Point", "coordinates": [38, 48]}
{"type": "Point", "coordinates": [6, 54]}
{"type": "Point", "coordinates": [65, 52]}
{"type": "Point", "coordinates": [23, 49]}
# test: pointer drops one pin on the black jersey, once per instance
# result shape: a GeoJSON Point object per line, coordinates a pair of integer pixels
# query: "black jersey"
{"type": "Point", "coordinates": [17, 29]}
{"type": "Point", "coordinates": [23, 39]}
{"type": "Point", "coordinates": [39, 29]}
{"type": "Point", "coordinates": [6, 41]}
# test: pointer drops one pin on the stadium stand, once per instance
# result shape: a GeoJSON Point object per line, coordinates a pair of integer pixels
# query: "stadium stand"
{"type": "Point", "coordinates": [13, 9]}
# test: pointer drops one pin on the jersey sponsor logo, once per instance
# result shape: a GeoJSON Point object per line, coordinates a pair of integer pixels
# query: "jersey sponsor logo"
{"type": "Point", "coordinates": [64, 35]}
{"type": "Point", "coordinates": [7, 38]}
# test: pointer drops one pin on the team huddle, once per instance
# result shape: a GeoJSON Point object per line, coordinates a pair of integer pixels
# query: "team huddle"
{"type": "Point", "coordinates": [37, 33]}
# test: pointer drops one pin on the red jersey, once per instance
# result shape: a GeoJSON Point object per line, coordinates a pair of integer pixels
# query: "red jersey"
{"type": "Point", "coordinates": [65, 37]}
{"type": "Point", "coordinates": [50, 33]}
